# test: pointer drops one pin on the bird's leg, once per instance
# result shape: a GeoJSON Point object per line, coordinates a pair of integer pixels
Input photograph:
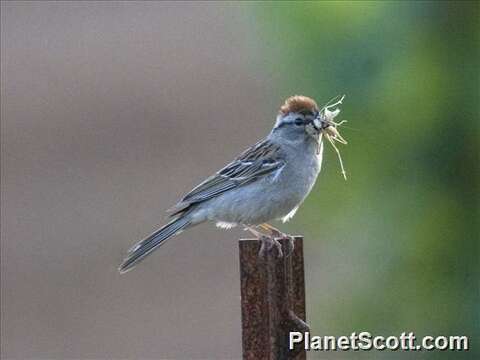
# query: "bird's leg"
{"type": "Point", "coordinates": [266, 242]}
{"type": "Point", "coordinates": [271, 230]}
{"type": "Point", "coordinates": [277, 234]}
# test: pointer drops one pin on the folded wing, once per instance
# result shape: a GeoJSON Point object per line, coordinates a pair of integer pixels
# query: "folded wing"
{"type": "Point", "coordinates": [256, 162]}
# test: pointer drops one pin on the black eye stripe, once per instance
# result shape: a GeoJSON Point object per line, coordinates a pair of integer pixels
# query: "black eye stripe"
{"type": "Point", "coordinates": [297, 121]}
{"type": "Point", "coordinates": [285, 122]}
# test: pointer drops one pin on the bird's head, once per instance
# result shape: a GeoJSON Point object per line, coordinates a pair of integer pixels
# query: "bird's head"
{"type": "Point", "coordinates": [299, 118]}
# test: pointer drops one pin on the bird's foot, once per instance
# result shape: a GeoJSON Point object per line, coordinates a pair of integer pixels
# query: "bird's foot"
{"type": "Point", "coordinates": [278, 235]}
{"type": "Point", "coordinates": [291, 242]}
{"type": "Point", "coordinates": [267, 243]}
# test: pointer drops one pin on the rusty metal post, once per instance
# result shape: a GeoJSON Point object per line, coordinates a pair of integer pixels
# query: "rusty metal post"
{"type": "Point", "coordinates": [273, 301]}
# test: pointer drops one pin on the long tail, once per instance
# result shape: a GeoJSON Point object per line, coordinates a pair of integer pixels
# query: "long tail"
{"type": "Point", "coordinates": [143, 248]}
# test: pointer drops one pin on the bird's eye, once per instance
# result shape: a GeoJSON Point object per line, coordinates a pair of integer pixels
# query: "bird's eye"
{"type": "Point", "coordinates": [298, 121]}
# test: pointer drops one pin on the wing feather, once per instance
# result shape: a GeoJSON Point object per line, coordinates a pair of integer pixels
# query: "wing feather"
{"type": "Point", "coordinates": [256, 162]}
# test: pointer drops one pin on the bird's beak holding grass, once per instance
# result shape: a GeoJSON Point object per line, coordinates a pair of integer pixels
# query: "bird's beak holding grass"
{"type": "Point", "coordinates": [325, 126]}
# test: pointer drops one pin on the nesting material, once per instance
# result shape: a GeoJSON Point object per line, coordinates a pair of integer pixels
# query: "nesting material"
{"type": "Point", "coordinates": [329, 128]}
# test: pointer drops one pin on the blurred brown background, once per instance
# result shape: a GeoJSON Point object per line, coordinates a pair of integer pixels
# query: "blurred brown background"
{"type": "Point", "coordinates": [110, 111]}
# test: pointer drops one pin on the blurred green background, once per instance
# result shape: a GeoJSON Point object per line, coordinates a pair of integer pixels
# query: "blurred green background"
{"type": "Point", "coordinates": [398, 242]}
{"type": "Point", "coordinates": [113, 110]}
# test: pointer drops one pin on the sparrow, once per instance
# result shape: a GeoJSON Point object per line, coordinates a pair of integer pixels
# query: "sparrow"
{"type": "Point", "coordinates": [268, 181]}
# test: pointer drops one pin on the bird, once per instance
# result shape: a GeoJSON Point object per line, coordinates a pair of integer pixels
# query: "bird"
{"type": "Point", "coordinates": [268, 181]}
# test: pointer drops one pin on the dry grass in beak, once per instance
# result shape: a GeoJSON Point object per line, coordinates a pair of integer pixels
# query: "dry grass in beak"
{"type": "Point", "coordinates": [331, 132]}
{"type": "Point", "coordinates": [332, 142]}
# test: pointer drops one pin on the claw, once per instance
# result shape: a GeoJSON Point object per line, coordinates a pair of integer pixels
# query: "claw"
{"type": "Point", "coordinates": [278, 245]}
{"type": "Point", "coordinates": [267, 243]}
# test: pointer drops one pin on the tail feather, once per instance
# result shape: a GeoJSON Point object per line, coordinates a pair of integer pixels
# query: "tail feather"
{"type": "Point", "coordinates": [143, 248]}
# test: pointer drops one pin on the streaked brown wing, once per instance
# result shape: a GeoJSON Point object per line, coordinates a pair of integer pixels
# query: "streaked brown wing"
{"type": "Point", "coordinates": [256, 162]}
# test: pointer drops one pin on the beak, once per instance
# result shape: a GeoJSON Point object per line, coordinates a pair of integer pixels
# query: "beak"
{"type": "Point", "coordinates": [320, 124]}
